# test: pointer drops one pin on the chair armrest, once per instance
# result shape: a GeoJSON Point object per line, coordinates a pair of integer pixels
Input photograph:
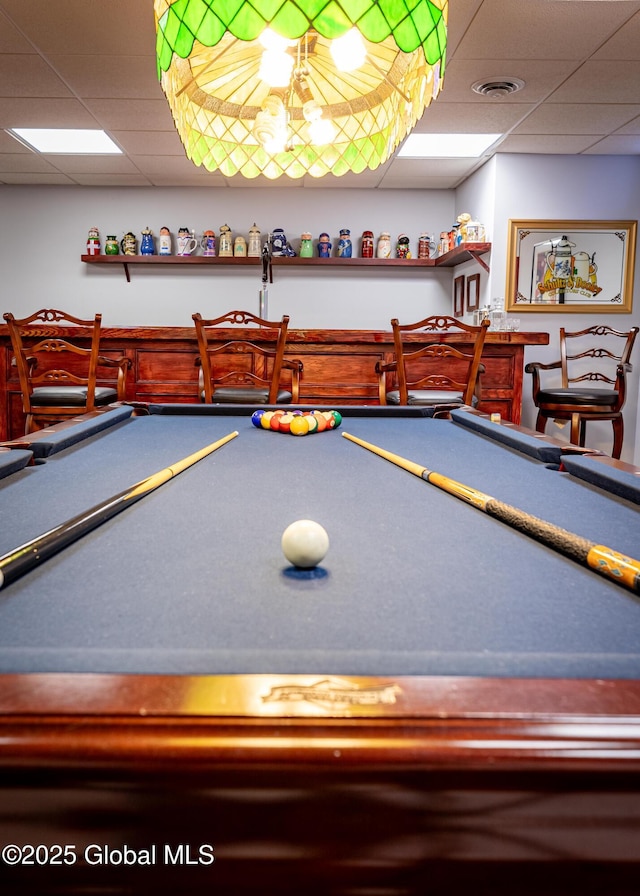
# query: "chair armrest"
{"type": "Point", "coordinates": [296, 367]}
{"type": "Point", "coordinates": [123, 364]}
{"type": "Point", "coordinates": [382, 369]}
{"type": "Point", "coordinates": [534, 368]}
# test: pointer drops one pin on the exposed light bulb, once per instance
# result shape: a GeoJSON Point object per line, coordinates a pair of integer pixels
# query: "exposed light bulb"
{"type": "Point", "coordinates": [321, 131]}
{"type": "Point", "coordinates": [348, 51]}
{"type": "Point", "coordinates": [275, 68]}
{"type": "Point", "coordinates": [271, 40]}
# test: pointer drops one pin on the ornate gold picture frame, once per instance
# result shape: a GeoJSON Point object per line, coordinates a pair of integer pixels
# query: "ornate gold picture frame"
{"type": "Point", "coordinates": [571, 266]}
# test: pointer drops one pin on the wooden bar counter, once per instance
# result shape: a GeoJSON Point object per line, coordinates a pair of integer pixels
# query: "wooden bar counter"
{"type": "Point", "coordinates": [339, 366]}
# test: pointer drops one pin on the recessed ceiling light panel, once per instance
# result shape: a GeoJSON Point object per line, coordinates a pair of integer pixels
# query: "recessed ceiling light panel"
{"type": "Point", "coordinates": [66, 141]}
{"type": "Point", "coordinates": [446, 146]}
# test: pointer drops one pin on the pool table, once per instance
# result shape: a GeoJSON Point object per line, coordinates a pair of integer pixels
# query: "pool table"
{"type": "Point", "coordinates": [442, 701]}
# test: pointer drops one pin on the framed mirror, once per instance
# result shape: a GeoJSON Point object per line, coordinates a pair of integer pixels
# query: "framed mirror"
{"type": "Point", "coordinates": [571, 266]}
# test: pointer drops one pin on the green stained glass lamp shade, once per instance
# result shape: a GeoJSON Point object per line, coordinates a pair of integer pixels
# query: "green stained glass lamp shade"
{"type": "Point", "coordinates": [209, 57]}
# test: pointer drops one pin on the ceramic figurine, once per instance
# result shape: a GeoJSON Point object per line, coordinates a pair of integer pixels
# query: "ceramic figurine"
{"type": "Point", "coordinates": [324, 246]}
{"type": "Point", "coordinates": [444, 244]}
{"type": "Point", "coordinates": [129, 244]}
{"type": "Point", "coordinates": [208, 243]}
{"type": "Point", "coordinates": [280, 244]}
{"type": "Point", "coordinates": [226, 246]}
{"type": "Point", "coordinates": [254, 249]}
{"type": "Point", "coordinates": [147, 246]}
{"type": "Point", "coordinates": [93, 242]}
{"type": "Point", "coordinates": [345, 249]}
{"type": "Point", "coordinates": [240, 247]}
{"type": "Point", "coordinates": [164, 241]}
{"type": "Point", "coordinates": [306, 245]}
{"type": "Point", "coordinates": [111, 246]}
{"type": "Point", "coordinates": [186, 241]}
{"type": "Point", "coordinates": [384, 245]}
{"type": "Point", "coordinates": [367, 244]}
{"type": "Point", "coordinates": [402, 246]}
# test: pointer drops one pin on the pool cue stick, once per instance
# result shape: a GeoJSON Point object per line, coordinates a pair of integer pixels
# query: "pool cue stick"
{"type": "Point", "coordinates": [29, 555]}
{"type": "Point", "coordinates": [619, 568]}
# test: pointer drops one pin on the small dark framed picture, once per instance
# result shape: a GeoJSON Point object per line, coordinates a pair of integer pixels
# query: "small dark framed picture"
{"type": "Point", "coordinates": [458, 296]}
{"type": "Point", "coordinates": [473, 292]}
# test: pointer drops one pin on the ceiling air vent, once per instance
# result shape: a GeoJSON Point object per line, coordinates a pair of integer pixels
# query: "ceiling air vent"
{"type": "Point", "coordinates": [497, 88]}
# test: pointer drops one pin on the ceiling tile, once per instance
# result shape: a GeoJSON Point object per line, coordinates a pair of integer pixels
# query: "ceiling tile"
{"type": "Point", "coordinates": [64, 26]}
{"type": "Point", "coordinates": [550, 30]}
{"type": "Point", "coordinates": [111, 180]}
{"type": "Point", "coordinates": [616, 145]}
{"type": "Point", "coordinates": [624, 43]}
{"type": "Point", "coordinates": [35, 179]}
{"type": "Point", "coordinates": [484, 118]}
{"type": "Point", "coordinates": [575, 118]}
{"type": "Point", "coordinates": [132, 115]}
{"type": "Point", "coordinates": [161, 143]}
{"type": "Point", "coordinates": [44, 113]}
{"type": "Point", "coordinates": [556, 144]}
{"type": "Point", "coordinates": [112, 77]}
{"type": "Point", "coordinates": [601, 82]}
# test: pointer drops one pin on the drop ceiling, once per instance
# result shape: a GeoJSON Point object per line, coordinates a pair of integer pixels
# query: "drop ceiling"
{"type": "Point", "coordinates": [81, 64]}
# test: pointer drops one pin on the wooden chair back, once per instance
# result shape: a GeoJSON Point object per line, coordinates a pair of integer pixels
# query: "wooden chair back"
{"type": "Point", "coordinates": [240, 370]}
{"type": "Point", "coordinates": [58, 376]}
{"type": "Point", "coordinates": [442, 364]}
{"type": "Point", "coordinates": [593, 371]}
{"type": "Point", "coordinates": [605, 348]}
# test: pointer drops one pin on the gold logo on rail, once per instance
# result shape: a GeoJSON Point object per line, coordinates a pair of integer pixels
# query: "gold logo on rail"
{"type": "Point", "coordinates": [333, 692]}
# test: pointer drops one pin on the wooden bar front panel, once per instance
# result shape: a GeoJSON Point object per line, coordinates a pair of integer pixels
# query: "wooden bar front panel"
{"type": "Point", "coordinates": [339, 366]}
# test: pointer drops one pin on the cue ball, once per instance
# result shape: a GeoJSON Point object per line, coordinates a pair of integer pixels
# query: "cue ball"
{"type": "Point", "coordinates": [305, 543]}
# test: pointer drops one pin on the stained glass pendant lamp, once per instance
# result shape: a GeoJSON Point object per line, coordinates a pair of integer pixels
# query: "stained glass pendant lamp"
{"type": "Point", "coordinates": [296, 87]}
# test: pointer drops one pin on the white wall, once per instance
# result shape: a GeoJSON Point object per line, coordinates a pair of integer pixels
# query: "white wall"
{"type": "Point", "coordinates": [43, 232]}
{"type": "Point", "coordinates": [555, 188]}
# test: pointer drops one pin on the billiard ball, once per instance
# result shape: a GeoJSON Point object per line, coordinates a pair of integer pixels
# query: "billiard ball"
{"type": "Point", "coordinates": [256, 417]}
{"type": "Point", "coordinates": [305, 543]}
{"type": "Point", "coordinates": [284, 423]}
{"type": "Point", "coordinates": [299, 426]}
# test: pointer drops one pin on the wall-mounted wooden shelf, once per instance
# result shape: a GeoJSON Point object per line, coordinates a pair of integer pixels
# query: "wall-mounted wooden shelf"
{"type": "Point", "coordinates": [459, 255]}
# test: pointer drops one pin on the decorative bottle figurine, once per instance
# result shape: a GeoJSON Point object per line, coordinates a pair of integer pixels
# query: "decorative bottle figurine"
{"type": "Point", "coordinates": [367, 244]}
{"type": "Point", "coordinates": [306, 245]}
{"type": "Point", "coordinates": [280, 244]}
{"type": "Point", "coordinates": [186, 241]}
{"type": "Point", "coordinates": [240, 247]}
{"type": "Point", "coordinates": [208, 243]}
{"type": "Point", "coordinates": [164, 241]}
{"type": "Point", "coordinates": [111, 246]}
{"type": "Point", "coordinates": [424, 245]}
{"type": "Point", "coordinates": [129, 244]}
{"type": "Point", "coordinates": [226, 247]}
{"type": "Point", "coordinates": [146, 244]}
{"type": "Point", "coordinates": [444, 244]}
{"type": "Point", "coordinates": [254, 249]}
{"type": "Point", "coordinates": [402, 246]}
{"type": "Point", "coordinates": [345, 249]}
{"type": "Point", "coordinates": [93, 242]}
{"type": "Point", "coordinates": [324, 246]}
{"type": "Point", "coordinates": [384, 245]}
